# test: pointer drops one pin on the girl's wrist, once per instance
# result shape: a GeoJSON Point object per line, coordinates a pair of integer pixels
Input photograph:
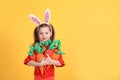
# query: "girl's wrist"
{"type": "Point", "coordinates": [42, 64]}
{"type": "Point", "coordinates": [54, 62]}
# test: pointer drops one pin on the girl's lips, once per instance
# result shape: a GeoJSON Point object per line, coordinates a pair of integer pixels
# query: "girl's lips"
{"type": "Point", "coordinates": [44, 38]}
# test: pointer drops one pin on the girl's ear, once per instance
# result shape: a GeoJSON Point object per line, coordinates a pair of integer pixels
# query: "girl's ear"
{"type": "Point", "coordinates": [47, 15]}
{"type": "Point", "coordinates": [35, 19]}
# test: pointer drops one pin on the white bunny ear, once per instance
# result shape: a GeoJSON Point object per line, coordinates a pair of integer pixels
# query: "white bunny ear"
{"type": "Point", "coordinates": [35, 19]}
{"type": "Point", "coordinates": [47, 15]}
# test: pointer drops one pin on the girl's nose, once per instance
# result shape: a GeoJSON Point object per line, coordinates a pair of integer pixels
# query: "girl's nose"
{"type": "Point", "coordinates": [44, 35]}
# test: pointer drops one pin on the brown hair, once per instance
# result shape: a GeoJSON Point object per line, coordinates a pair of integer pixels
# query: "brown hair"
{"type": "Point", "coordinates": [36, 38]}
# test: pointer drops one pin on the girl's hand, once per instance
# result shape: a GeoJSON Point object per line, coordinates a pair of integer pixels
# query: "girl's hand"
{"type": "Point", "coordinates": [49, 60]}
{"type": "Point", "coordinates": [52, 61]}
{"type": "Point", "coordinates": [43, 62]}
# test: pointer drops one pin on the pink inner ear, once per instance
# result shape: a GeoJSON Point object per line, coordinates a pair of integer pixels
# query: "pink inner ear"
{"type": "Point", "coordinates": [47, 17]}
{"type": "Point", "coordinates": [35, 20]}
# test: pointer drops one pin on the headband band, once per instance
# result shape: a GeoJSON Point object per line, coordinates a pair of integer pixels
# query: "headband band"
{"type": "Point", "coordinates": [46, 24]}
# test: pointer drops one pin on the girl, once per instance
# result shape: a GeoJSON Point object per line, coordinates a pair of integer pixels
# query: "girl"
{"type": "Point", "coordinates": [45, 52]}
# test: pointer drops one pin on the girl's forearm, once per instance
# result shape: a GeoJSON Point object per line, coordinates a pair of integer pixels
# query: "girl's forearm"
{"type": "Point", "coordinates": [33, 63]}
{"type": "Point", "coordinates": [56, 62]}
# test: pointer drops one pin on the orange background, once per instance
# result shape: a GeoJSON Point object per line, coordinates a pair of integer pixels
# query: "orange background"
{"type": "Point", "coordinates": [89, 31]}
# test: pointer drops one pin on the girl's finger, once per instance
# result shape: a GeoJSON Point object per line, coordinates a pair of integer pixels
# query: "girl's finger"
{"type": "Point", "coordinates": [48, 56]}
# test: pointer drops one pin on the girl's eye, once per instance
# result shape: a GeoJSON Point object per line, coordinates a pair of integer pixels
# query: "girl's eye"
{"type": "Point", "coordinates": [46, 32]}
{"type": "Point", "coordinates": [41, 33]}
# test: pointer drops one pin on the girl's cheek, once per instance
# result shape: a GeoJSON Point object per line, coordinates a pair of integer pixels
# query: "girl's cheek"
{"type": "Point", "coordinates": [40, 36]}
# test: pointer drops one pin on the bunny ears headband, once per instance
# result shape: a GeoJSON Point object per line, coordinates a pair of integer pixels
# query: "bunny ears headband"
{"type": "Point", "coordinates": [37, 21]}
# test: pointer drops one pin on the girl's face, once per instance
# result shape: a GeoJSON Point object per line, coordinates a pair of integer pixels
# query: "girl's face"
{"type": "Point", "coordinates": [44, 33]}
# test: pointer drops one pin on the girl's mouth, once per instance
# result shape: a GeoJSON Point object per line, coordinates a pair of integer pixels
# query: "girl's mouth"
{"type": "Point", "coordinates": [44, 38]}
